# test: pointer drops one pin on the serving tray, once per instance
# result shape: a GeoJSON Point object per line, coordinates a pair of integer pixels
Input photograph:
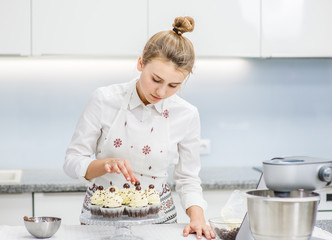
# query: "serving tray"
{"type": "Point", "coordinates": [124, 221]}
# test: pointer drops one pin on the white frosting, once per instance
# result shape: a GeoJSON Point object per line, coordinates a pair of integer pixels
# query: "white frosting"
{"type": "Point", "coordinates": [152, 196]}
{"type": "Point", "coordinates": [138, 199]}
{"type": "Point", "coordinates": [112, 200]}
{"type": "Point", "coordinates": [98, 197]}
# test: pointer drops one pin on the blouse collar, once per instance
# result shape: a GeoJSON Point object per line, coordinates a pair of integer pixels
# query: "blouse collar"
{"type": "Point", "coordinates": [135, 101]}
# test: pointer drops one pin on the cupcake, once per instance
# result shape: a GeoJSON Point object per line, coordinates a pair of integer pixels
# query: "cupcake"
{"type": "Point", "coordinates": [112, 206]}
{"type": "Point", "coordinates": [153, 200]}
{"type": "Point", "coordinates": [125, 194]}
{"type": "Point", "coordinates": [138, 206]}
{"type": "Point", "coordinates": [96, 201]}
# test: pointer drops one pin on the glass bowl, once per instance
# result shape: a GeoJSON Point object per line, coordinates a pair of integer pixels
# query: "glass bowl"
{"type": "Point", "coordinates": [225, 230]}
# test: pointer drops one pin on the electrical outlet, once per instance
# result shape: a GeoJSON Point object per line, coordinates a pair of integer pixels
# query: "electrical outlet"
{"type": "Point", "coordinates": [205, 147]}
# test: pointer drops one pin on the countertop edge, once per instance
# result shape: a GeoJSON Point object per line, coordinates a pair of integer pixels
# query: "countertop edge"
{"type": "Point", "coordinates": [55, 180]}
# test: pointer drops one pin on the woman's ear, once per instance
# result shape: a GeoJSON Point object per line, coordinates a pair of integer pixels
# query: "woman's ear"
{"type": "Point", "coordinates": [140, 64]}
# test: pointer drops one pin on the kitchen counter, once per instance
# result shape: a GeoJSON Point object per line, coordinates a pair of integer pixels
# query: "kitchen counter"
{"type": "Point", "coordinates": [57, 181]}
{"type": "Point", "coordinates": [147, 232]}
{"type": "Point", "coordinates": [325, 225]}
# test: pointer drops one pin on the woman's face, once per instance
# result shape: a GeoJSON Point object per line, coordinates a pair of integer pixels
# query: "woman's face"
{"type": "Point", "coordinates": [159, 80]}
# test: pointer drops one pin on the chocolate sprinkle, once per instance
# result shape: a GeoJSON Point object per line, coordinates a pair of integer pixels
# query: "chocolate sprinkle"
{"type": "Point", "coordinates": [151, 186]}
{"type": "Point", "coordinates": [137, 184]}
{"type": "Point", "coordinates": [227, 235]}
{"type": "Point", "coordinates": [100, 187]}
{"type": "Point", "coordinates": [126, 185]}
{"type": "Point", "coordinates": [112, 189]}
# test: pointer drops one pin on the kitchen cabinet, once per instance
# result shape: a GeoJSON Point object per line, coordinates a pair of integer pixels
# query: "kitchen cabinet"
{"type": "Point", "coordinates": [15, 27]}
{"type": "Point", "coordinates": [87, 27]}
{"type": "Point", "coordinates": [225, 28]}
{"type": "Point", "coordinates": [66, 205]}
{"type": "Point", "coordinates": [296, 28]}
{"type": "Point", "coordinates": [216, 200]}
{"type": "Point", "coordinates": [13, 207]}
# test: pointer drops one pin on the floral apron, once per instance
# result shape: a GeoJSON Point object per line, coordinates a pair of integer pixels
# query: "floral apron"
{"type": "Point", "coordinates": [145, 144]}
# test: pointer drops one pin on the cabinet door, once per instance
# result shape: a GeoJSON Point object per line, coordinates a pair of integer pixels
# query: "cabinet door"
{"type": "Point", "coordinates": [89, 27]}
{"type": "Point", "coordinates": [216, 200]}
{"type": "Point", "coordinates": [13, 207]}
{"type": "Point", "coordinates": [67, 206]}
{"type": "Point", "coordinates": [15, 27]}
{"type": "Point", "coordinates": [296, 28]}
{"type": "Point", "coordinates": [222, 27]}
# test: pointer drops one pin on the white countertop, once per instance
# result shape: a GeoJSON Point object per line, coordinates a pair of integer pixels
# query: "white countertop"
{"type": "Point", "coordinates": [146, 232]}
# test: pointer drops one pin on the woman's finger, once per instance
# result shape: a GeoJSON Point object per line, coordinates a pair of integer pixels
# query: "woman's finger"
{"type": "Point", "coordinates": [212, 234]}
{"type": "Point", "coordinates": [207, 232]}
{"type": "Point", "coordinates": [124, 171]}
{"type": "Point", "coordinates": [199, 233]}
{"type": "Point", "coordinates": [132, 176]}
{"type": "Point", "coordinates": [108, 168]}
{"type": "Point", "coordinates": [186, 231]}
{"type": "Point", "coordinates": [115, 168]}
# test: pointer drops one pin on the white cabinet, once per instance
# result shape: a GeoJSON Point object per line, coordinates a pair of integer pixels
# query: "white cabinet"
{"type": "Point", "coordinates": [13, 207]}
{"type": "Point", "coordinates": [223, 27]}
{"type": "Point", "coordinates": [14, 27]}
{"type": "Point", "coordinates": [67, 206]}
{"type": "Point", "coordinates": [89, 27]}
{"type": "Point", "coordinates": [216, 199]}
{"type": "Point", "coordinates": [297, 28]}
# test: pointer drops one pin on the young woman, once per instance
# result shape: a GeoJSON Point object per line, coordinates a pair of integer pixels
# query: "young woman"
{"type": "Point", "coordinates": [138, 129]}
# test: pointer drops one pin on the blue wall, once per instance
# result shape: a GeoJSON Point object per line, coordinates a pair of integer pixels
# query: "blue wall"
{"type": "Point", "coordinates": [251, 109]}
{"type": "Point", "coordinates": [271, 107]}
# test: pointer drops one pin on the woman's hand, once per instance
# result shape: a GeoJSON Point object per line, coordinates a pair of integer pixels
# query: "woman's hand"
{"type": "Point", "coordinates": [117, 165]}
{"type": "Point", "coordinates": [197, 224]}
{"type": "Point", "coordinates": [99, 167]}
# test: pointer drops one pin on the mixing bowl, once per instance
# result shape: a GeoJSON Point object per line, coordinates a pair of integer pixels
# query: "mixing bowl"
{"type": "Point", "coordinates": [224, 230]}
{"type": "Point", "coordinates": [272, 217]}
{"type": "Point", "coordinates": [42, 227]}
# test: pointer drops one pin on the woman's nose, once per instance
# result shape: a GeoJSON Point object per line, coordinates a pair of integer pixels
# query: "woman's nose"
{"type": "Point", "coordinates": [161, 91]}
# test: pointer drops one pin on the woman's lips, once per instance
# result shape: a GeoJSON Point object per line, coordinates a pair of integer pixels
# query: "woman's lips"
{"type": "Point", "coordinates": [156, 98]}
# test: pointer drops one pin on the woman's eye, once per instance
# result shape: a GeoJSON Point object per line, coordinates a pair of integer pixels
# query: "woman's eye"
{"type": "Point", "coordinates": [173, 86]}
{"type": "Point", "coordinates": [155, 80]}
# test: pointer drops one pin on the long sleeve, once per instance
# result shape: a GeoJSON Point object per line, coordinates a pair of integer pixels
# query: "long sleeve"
{"type": "Point", "coordinates": [186, 171]}
{"type": "Point", "coordinates": [84, 140]}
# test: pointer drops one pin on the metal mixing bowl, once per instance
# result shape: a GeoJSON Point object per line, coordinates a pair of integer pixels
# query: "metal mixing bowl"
{"type": "Point", "coordinates": [42, 227]}
{"type": "Point", "coordinates": [273, 217]}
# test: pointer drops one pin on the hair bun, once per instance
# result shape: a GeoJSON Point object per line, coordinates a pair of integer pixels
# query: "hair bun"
{"type": "Point", "coordinates": [183, 24]}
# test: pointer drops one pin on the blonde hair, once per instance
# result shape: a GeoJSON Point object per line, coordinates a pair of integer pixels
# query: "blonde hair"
{"type": "Point", "coordinates": [172, 46]}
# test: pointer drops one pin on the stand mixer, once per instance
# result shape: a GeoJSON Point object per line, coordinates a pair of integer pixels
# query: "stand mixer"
{"type": "Point", "coordinates": [284, 180]}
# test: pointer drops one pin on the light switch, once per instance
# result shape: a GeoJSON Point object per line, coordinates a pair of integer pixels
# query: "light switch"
{"type": "Point", "coordinates": [205, 147]}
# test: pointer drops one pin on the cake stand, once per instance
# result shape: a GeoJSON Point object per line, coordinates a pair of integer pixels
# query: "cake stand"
{"type": "Point", "coordinates": [123, 225]}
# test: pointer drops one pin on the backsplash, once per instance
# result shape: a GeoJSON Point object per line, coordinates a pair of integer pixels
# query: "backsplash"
{"type": "Point", "coordinates": [251, 109]}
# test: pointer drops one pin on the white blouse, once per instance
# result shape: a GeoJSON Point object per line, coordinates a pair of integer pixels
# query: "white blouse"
{"type": "Point", "coordinates": [184, 137]}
